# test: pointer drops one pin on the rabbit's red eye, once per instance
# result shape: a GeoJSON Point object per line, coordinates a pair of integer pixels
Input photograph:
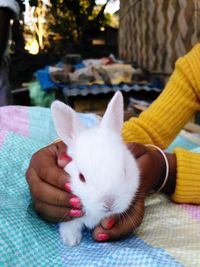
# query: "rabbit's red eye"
{"type": "Point", "coordinates": [81, 177]}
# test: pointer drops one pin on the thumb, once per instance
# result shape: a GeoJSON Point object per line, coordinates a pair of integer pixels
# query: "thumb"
{"type": "Point", "coordinates": [123, 226]}
{"type": "Point", "coordinates": [62, 157]}
{"type": "Point", "coordinates": [109, 222]}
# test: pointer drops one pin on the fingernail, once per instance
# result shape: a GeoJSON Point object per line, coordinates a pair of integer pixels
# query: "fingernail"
{"type": "Point", "coordinates": [110, 223]}
{"type": "Point", "coordinates": [75, 213]}
{"type": "Point", "coordinates": [68, 187]}
{"type": "Point", "coordinates": [65, 156]}
{"type": "Point", "coordinates": [75, 202]}
{"type": "Point", "coordinates": [102, 237]}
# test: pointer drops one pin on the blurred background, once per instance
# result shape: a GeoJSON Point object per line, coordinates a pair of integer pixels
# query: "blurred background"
{"type": "Point", "coordinates": [47, 31]}
{"type": "Point", "coordinates": [82, 51]}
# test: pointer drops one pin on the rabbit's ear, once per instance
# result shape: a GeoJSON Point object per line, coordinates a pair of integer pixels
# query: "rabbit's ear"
{"type": "Point", "coordinates": [114, 115]}
{"type": "Point", "coordinates": [66, 121]}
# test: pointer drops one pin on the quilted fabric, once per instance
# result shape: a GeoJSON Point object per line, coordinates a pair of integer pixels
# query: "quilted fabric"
{"type": "Point", "coordinates": [168, 236]}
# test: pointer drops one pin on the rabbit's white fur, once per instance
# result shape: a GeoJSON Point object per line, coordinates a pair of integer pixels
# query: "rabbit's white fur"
{"type": "Point", "coordinates": [110, 170]}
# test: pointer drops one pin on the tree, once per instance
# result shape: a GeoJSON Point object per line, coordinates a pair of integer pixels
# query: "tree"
{"type": "Point", "coordinates": [66, 21]}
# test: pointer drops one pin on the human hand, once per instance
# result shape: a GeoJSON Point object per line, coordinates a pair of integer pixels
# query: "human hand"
{"type": "Point", "coordinates": [50, 185]}
{"type": "Point", "coordinates": [152, 171]}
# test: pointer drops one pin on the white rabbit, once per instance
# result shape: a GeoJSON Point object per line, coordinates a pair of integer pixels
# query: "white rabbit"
{"type": "Point", "coordinates": [104, 174]}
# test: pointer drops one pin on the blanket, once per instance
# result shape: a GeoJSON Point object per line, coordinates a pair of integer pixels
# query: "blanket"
{"type": "Point", "coordinates": [168, 236]}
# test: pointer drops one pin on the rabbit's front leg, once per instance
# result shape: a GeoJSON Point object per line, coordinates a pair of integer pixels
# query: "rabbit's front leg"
{"type": "Point", "coordinates": [71, 232]}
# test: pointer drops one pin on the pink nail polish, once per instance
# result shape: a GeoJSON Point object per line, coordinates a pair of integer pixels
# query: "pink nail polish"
{"type": "Point", "coordinates": [75, 213]}
{"type": "Point", "coordinates": [75, 202]}
{"type": "Point", "coordinates": [110, 223]}
{"type": "Point", "coordinates": [102, 237]}
{"type": "Point", "coordinates": [65, 156]}
{"type": "Point", "coordinates": [68, 187]}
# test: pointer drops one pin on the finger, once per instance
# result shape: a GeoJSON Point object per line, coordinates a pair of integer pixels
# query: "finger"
{"type": "Point", "coordinates": [123, 227]}
{"type": "Point", "coordinates": [55, 176]}
{"type": "Point", "coordinates": [109, 222]}
{"type": "Point", "coordinates": [48, 170]}
{"type": "Point", "coordinates": [62, 157]}
{"type": "Point", "coordinates": [117, 232]}
{"type": "Point", "coordinates": [46, 192]}
{"type": "Point", "coordinates": [61, 147]}
{"type": "Point", "coordinates": [137, 149]}
{"type": "Point", "coordinates": [52, 213]}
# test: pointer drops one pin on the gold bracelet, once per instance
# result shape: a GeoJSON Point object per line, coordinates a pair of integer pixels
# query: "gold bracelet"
{"type": "Point", "coordinates": [166, 165]}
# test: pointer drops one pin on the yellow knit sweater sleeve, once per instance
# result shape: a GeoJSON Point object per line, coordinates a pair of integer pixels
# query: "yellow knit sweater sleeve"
{"type": "Point", "coordinates": [163, 120]}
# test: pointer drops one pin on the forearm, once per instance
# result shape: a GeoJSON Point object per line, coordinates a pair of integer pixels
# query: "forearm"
{"type": "Point", "coordinates": [162, 121]}
{"type": "Point", "coordinates": [170, 184]}
{"type": "Point", "coordinates": [183, 183]}
{"type": "Point", "coordinates": [161, 172]}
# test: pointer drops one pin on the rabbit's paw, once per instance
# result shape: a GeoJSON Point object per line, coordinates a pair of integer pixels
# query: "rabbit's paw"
{"type": "Point", "coordinates": [71, 239]}
{"type": "Point", "coordinates": [70, 233]}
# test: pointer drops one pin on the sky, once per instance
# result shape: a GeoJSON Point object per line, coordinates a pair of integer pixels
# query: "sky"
{"type": "Point", "coordinates": [111, 7]}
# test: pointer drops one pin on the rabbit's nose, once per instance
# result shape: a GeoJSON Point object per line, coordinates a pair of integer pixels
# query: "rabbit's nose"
{"type": "Point", "coordinates": [108, 203]}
